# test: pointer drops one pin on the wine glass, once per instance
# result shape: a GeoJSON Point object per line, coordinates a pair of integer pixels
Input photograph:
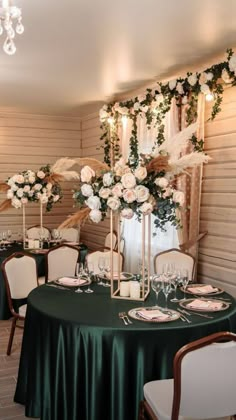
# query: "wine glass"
{"type": "Point", "coordinates": [166, 288]}
{"type": "Point", "coordinates": [107, 269]}
{"type": "Point", "coordinates": [90, 272]}
{"type": "Point", "coordinates": [156, 284]}
{"type": "Point", "coordinates": [177, 281]}
{"type": "Point", "coordinates": [185, 280]}
{"type": "Point", "coordinates": [101, 266]}
{"type": "Point", "coordinates": [9, 233]}
{"type": "Point", "coordinates": [4, 238]}
{"type": "Point", "coordinates": [79, 272]}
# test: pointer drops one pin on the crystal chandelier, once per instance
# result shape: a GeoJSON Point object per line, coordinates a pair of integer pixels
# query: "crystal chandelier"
{"type": "Point", "coordinates": [9, 14]}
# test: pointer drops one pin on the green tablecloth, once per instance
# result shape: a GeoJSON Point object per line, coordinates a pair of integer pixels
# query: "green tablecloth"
{"type": "Point", "coordinates": [40, 260]}
{"type": "Point", "coordinates": [79, 362]}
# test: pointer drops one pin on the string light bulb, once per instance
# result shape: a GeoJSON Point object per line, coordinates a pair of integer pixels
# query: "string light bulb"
{"type": "Point", "coordinates": [209, 97]}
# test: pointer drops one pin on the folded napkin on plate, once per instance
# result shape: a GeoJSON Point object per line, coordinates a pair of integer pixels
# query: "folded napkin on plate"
{"type": "Point", "coordinates": [203, 289]}
{"type": "Point", "coordinates": [152, 314]}
{"type": "Point", "coordinates": [115, 276]}
{"type": "Point", "coordinates": [68, 281]}
{"type": "Point", "coordinates": [205, 304]}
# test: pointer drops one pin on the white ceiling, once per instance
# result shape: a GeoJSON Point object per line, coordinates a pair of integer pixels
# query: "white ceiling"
{"type": "Point", "coordinates": [76, 54]}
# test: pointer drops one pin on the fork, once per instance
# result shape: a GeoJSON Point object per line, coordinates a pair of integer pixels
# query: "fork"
{"type": "Point", "coordinates": [127, 318]}
{"type": "Point", "coordinates": [196, 313]}
{"type": "Point", "coordinates": [182, 314]}
{"type": "Point", "coordinates": [122, 316]}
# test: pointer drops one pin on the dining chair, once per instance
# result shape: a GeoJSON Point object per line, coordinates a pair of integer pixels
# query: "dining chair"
{"type": "Point", "coordinates": [179, 258]}
{"type": "Point", "coordinates": [70, 234]}
{"type": "Point", "coordinates": [107, 243]}
{"type": "Point", "coordinates": [61, 261]}
{"type": "Point", "coordinates": [34, 232]}
{"type": "Point", "coordinates": [20, 276]}
{"type": "Point", "coordinates": [93, 257]}
{"type": "Point", "coordinates": [122, 245]}
{"type": "Point", "coordinates": [203, 386]}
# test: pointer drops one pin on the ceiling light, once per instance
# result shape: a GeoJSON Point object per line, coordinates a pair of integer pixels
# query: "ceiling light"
{"type": "Point", "coordinates": [8, 15]}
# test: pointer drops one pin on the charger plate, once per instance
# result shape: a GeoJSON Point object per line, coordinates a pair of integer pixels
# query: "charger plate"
{"type": "Point", "coordinates": [198, 292]}
{"type": "Point", "coordinates": [172, 315]}
{"type": "Point", "coordinates": [74, 282]}
{"type": "Point", "coordinates": [123, 276]}
{"type": "Point", "coordinates": [185, 304]}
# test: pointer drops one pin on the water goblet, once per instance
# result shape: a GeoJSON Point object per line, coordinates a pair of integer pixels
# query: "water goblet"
{"type": "Point", "coordinates": [156, 284]}
{"type": "Point", "coordinates": [107, 269]}
{"type": "Point", "coordinates": [78, 273]}
{"type": "Point", "coordinates": [90, 272]}
{"type": "Point", "coordinates": [9, 233]}
{"type": "Point", "coordinates": [101, 266]}
{"type": "Point", "coordinates": [185, 280]}
{"type": "Point", "coordinates": [166, 288]}
{"type": "Point", "coordinates": [177, 281]}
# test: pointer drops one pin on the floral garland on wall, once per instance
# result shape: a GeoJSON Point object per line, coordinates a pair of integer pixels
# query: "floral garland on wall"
{"type": "Point", "coordinates": [154, 105]}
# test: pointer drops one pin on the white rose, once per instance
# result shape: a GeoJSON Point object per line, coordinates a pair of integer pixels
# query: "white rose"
{"type": "Point", "coordinates": [10, 194]}
{"type": "Point", "coordinates": [95, 216]}
{"type": "Point", "coordinates": [14, 187]}
{"type": "Point", "coordinates": [205, 89]}
{"type": "Point", "coordinates": [192, 79]}
{"type": "Point", "coordinates": [225, 76]}
{"type": "Point", "coordinates": [209, 75]}
{"type": "Point", "coordinates": [232, 63]}
{"type": "Point", "coordinates": [37, 187]}
{"type": "Point", "coordinates": [56, 198]}
{"type": "Point", "coordinates": [43, 198]}
{"type": "Point", "coordinates": [87, 174]}
{"type": "Point", "coordinates": [141, 98]}
{"type": "Point", "coordinates": [113, 203]}
{"type": "Point", "coordinates": [16, 203]}
{"type": "Point", "coordinates": [128, 180]}
{"type": "Point", "coordinates": [104, 193]}
{"type": "Point", "coordinates": [203, 78]}
{"type": "Point", "coordinates": [136, 106]}
{"type": "Point", "coordinates": [31, 179]}
{"type": "Point", "coordinates": [146, 208]}
{"type": "Point", "coordinates": [40, 174]}
{"type": "Point", "coordinates": [140, 173]}
{"type": "Point", "coordinates": [167, 192]}
{"type": "Point", "coordinates": [26, 188]}
{"type": "Point", "coordinates": [86, 190]}
{"type": "Point", "coordinates": [142, 193]}
{"type": "Point", "coordinates": [107, 179]}
{"type": "Point", "coordinates": [19, 179]}
{"type": "Point", "coordinates": [178, 197]}
{"type": "Point", "coordinates": [24, 200]}
{"type": "Point", "coordinates": [127, 213]}
{"type": "Point", "coordinates": [184, 100]}
{"type": "Point", "coordinates": [10, 181]}
{"type": "Point", "coordinates": [117, 190]}
{"type": "Point", "coordinates": [93, 202]}
{"type": "Point", "coordinates": [129, 196]}
{"type": "Point", "coordinates": [121, 168]}
{"type": "Point", "coordinates": [31, 193]}
{"type": "Point", "coordinates": [172, 84]}
{"type": "Point", "coordinates": [179, 88]}
{"type": "Point", "coordinates": [20, 192]}
{"type": "Point", "coordinates": [161, 182]}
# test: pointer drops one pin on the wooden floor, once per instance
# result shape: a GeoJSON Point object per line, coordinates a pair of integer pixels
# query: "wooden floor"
{"type": "Point", "coordinates": [8, 374]}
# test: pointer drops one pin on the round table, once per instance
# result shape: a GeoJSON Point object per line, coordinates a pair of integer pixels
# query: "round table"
{"type": "Point", "coordinates": [80, 362]}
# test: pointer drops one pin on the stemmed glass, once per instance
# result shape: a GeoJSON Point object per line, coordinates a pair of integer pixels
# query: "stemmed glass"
{"type": "Point", "coordinates": [107, 269]}
{"type": "Point", "coordinates": [4, 238]}
{"type": "Point", "coordinates": [176, 282]}
{"type": "Point", "coordinates": [166, 288]}
{"type": "Point", "coordinates": [90, 271]}
{"type": "Point", "coordinates": [185, 280]}
{"type": "Point", "coordinates": [9, 233]}
{"type": "Point", "coordinates": [1, 239]}
{"type": "Point", "coordinates": [156, 284]}
{"type": "Point", "coordinates": [78, 273]}
{"type": "Point", "coordinates": [101, 266]}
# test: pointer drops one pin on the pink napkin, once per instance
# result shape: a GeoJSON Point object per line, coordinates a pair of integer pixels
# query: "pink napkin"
{"type": "Point", "coordinates": [152, 314]}
{"type": "Point", "coordinates": [204, 304]}
{"type": "Point", "coordinates": [203, 289]}
{"type": "Point", "coordinates": [68, 281]}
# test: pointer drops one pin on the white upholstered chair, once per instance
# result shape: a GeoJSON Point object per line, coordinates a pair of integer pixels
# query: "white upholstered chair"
{"type": "Point", "coordinates": [179, 258]}
{"type": "Point", "coordinates": [203, 386]}
{"type": "Point", "coordinates": [70, 234]}
{"type": "Point", "coordinates": [34, 232]}
{"type": "Point", "coordinates": [122, 245]}
{"type": "Point", "coordinates": [61, 261]}
{"type": "Point", "coordinates": [94, 258]}
{"type": "Point", "coordinates": [20, 276]}
{"type": "Point", "coordinates": [107, 243]}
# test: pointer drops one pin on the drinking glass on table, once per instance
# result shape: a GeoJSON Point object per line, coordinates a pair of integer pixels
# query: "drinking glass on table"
{"type": "Point", "coordinates": [156, 284]}
{"type": "Point", "coordinates": [101, 266]}
{"type": "Point", "coordinates": [79, 272]}
{"type": "Point", "coordinates": [166, 288]}
{"type": "Point", "coordinates": [90, 272]}
{"type": "Point", "coordinates": [9, 233]}
{"type": "Point", "coordinates": [185, 280]}
{"type": "Point", "coordinates": [4, 238]}
{"type": "Point", "coordinates": [107, 269]}
{"type": "Point", "coordinates": [177, 281]}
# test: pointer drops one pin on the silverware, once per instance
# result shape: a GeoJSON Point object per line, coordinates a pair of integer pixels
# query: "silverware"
{"type": "Point", "coordinates": [196, 313]}
{"type": "Point", "coordinates": [186, 319]}
{"type": "Point", "coordinates": [127, 318]}
{"type": "Point", "coordinates": [121, 316]}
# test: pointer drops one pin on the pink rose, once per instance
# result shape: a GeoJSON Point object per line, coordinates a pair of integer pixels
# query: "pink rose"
{"type": "Point", "coordinates": [129, 196]}
{"type": "Point", "coordinates": [142, 193]}
{"type": "Point", "coordinates": [128, 180]}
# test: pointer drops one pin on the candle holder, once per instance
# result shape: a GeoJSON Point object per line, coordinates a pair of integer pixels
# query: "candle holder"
{"type": "Point", "coordinates": [137, 290]}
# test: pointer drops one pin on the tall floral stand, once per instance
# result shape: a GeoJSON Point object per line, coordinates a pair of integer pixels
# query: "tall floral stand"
{"type": "Point", "coordinates": [23, 226]}
{"type": "Point", "coordinates": [146, 260]}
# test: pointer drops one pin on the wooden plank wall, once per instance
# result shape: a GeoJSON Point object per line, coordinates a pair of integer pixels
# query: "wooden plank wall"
{"type": "Point", "coordinates": [217, 251]}
{"type": "Point", "coordinates": [91, 234]}
{"type": "Point", "coordinates": [28, 142]}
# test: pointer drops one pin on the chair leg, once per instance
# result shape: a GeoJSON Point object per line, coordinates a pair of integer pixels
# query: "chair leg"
{"type": "Point", "coordinates": [141, 413]}
{"type": "Point", "coordinates": [13, 326]}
